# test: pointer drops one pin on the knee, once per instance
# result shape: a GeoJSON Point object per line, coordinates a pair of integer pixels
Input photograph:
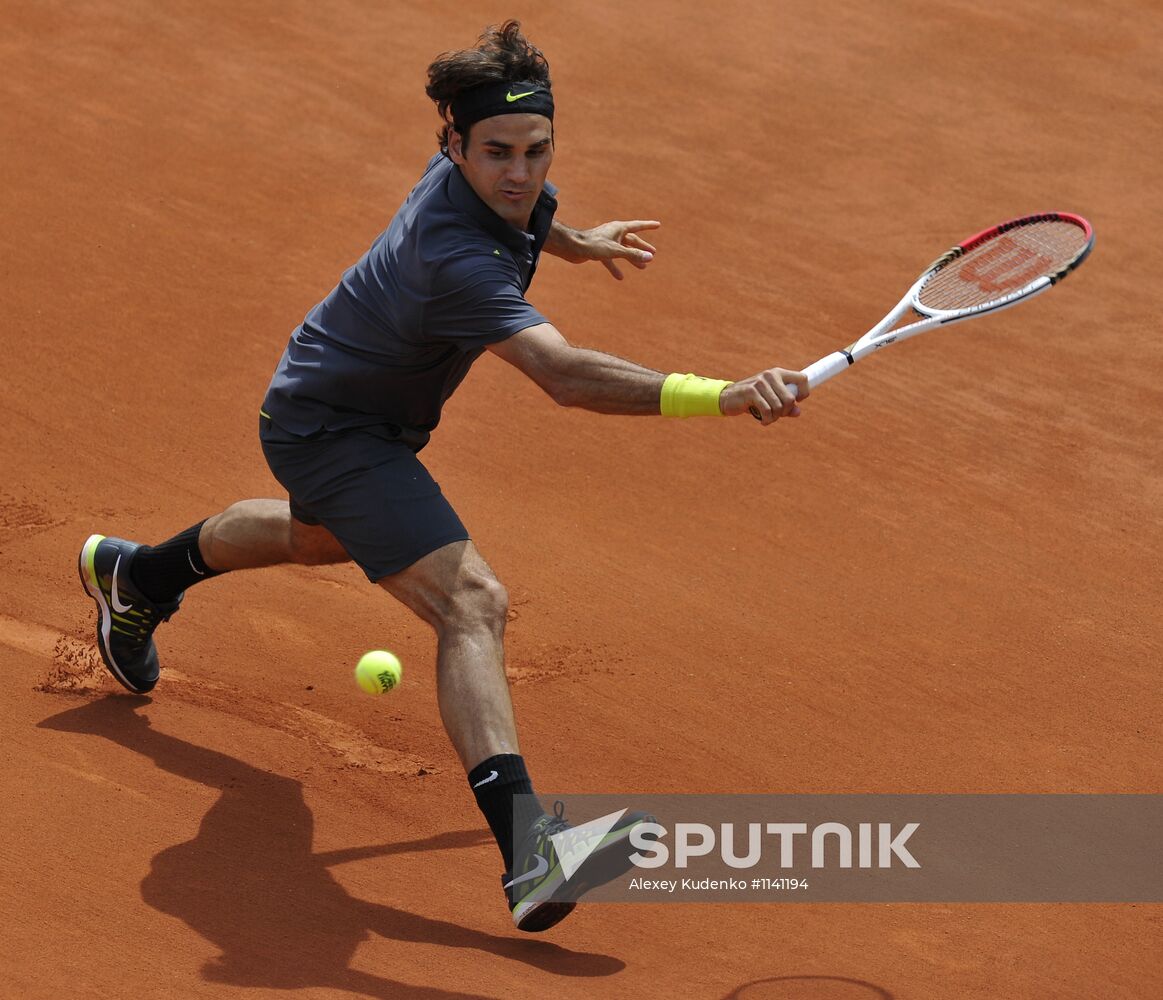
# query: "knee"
{"type": "Point", "coordinates": [479, 599]}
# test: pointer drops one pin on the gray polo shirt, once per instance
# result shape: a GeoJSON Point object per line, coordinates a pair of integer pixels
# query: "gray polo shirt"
{"type": "Point", "coordinates": [400, 331]}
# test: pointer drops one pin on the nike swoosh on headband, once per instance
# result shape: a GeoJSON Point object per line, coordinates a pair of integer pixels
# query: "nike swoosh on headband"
{"type": "Point", "coordinates": [511, 97]}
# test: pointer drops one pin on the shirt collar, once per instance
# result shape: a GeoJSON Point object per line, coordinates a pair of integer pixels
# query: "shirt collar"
{"type": "Point", "coordinates": [463, 197]}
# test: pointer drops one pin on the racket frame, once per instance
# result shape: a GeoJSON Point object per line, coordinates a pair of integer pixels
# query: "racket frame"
{"type": "Point", "coordinates": [883, 334]}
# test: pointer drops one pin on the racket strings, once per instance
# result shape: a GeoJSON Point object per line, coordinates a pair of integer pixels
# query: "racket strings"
{"type": "Point", "coordinates": [1003, 264]}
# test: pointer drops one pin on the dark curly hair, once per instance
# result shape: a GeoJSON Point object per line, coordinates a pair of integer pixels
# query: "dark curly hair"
{"type": "Point", "coordinates": [502, 55]}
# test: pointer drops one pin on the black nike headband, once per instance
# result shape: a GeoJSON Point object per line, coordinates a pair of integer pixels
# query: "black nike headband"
{"type": "Point", "coordinates": [491, 99]}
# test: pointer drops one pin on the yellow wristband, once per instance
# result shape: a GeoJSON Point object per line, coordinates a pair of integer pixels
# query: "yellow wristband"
{"type": "Point", "coordinates": [691, 396]}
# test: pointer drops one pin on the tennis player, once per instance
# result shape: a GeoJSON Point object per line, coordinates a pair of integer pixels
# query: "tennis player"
{"type": "Point", "coordinates": [356, 396]}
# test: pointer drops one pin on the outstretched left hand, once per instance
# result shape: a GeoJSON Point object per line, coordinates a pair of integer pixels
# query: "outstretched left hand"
{"type": "Point", "coordinates": [609, 242]}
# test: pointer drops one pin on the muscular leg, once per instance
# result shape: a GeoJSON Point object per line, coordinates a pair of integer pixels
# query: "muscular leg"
{"type": "Point", "coordinates": [254, 533]}
{"type": "Point", "coordinates": [454, 590]}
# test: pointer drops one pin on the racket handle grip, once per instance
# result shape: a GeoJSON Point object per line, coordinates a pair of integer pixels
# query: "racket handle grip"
{"type": "Point", "coordinates": [818, 372]}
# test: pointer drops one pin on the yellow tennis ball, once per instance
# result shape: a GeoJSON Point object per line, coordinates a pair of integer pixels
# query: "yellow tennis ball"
{"type": "Point", "coordinates": [378, 671]}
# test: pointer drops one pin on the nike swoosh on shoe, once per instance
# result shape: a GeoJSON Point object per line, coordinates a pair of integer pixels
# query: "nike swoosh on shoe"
{"type": "Point", "coordinates": [117, 605]}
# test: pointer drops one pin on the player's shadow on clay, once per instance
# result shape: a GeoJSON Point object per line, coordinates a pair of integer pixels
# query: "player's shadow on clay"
{"type": "Point", "coordinates": [250, 883]}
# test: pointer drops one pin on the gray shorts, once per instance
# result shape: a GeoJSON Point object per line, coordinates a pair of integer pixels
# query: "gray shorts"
{"type": "Point", "coordinates": [370, 491]}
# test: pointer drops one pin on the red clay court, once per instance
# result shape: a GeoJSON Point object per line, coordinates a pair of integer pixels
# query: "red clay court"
{"type": "Point", "coordinates": [943, 578]}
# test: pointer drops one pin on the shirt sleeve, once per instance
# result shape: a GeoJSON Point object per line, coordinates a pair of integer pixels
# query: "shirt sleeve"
{"type": "Point", "coordinates": [476, 300]}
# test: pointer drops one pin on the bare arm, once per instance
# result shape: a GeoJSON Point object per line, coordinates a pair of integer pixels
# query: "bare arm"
{"type": "Point", "coordinates": [605, 383]}
{"type": "Point", "coordinates": [607, 243]}
{"type": "Point", "coordinates": [575, 376]}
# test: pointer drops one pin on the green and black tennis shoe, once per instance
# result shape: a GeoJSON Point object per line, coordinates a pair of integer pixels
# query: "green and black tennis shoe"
{"type": "Point", "coordinates": [126, 618]}
{"type": "Point", "coordinates": [555, 864]}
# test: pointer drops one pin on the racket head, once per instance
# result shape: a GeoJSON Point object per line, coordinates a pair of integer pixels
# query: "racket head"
{"type": "Point", "coordinates": [1003, 264]}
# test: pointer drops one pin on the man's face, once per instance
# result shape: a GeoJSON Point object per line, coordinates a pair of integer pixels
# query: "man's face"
{"type": "Point", "coordinates": [506, 162]}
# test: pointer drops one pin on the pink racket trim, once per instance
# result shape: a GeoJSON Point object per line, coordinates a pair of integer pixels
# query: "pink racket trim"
{"type": "Point", "coordinates": [1025, 220]}
{"type": "Point", "coordinates": [986, 234]}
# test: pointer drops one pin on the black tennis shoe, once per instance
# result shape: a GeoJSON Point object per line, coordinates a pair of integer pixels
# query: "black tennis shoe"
{"type": "Point", "coordinates": [126, 618]}
{"type": "Point", "coordinates": [555, 864]}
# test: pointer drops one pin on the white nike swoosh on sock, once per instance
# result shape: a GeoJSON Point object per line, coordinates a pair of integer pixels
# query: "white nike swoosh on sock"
{"type": "Point", "coordinates": [190, 559]}
{"type": "Point", "coordinates": [484, 781]}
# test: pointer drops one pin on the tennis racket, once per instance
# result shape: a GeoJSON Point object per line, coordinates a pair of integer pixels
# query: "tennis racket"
{"type": "Point", "coordinates": [991, 271]}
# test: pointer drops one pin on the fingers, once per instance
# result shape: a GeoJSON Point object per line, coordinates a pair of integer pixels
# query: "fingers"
{"type": "Point", "coordinates": [775, 389]}
{"type": "Point", "coordinates": [773, 394]}
{"type": "Point", "coordinates": [637, 243]}
{"type": "Point", "coordinates": [762, 402]}
{"type": "Point", "coordinates": [799, 380]}
{"type": "Point", "coordinates": [771, 408]}
{"type": "Point", "coordinates": [640, 224]}
{"type": "Point", "coordinates": [625, 243]}
{"type": "Point", "coordinates": [768, 413]}
{"type": "Point", "coordinates": [634, 249]}
{"type": "Point", "coordinates": [632, 239]}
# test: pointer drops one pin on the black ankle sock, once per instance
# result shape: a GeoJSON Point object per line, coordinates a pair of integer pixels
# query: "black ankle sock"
{"type": "Point", "coordinates": [162, 572]}
{"type": "Point", "coordinates": [494, 783]}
